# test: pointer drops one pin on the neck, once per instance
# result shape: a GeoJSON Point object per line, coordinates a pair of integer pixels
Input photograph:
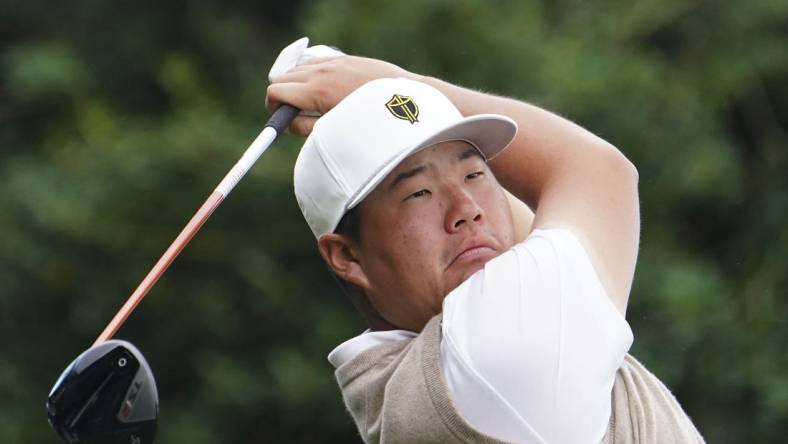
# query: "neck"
{"type": "Point", "coordinates": [374, 320]}
{"type": "Point", "coordinates": [377, 323]}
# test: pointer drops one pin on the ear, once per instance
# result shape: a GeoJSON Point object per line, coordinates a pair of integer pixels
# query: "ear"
{"type": "Point", "coordinates": [342, 255]}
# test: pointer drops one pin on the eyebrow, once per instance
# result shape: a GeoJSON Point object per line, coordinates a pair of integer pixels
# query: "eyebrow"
{"type": "Point", "coordinates": [407, 174]}
{"type": "Point", "coordinates": [470, 152]}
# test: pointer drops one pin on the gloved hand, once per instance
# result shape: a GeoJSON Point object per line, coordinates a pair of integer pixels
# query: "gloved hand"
{"type": "Point", "coordinates": [314, 79]}
{"type": "Point", "coordinates": [298, 53]}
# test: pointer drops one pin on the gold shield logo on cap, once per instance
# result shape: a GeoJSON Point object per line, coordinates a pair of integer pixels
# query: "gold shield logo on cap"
{"type": "Point", "coordinates": [403, 107]}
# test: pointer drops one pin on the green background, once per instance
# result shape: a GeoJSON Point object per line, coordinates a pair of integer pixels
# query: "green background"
{"type": "Point", "coordinates": [117, 119]}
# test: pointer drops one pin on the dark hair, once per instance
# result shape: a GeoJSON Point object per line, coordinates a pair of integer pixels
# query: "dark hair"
{"type": "Point", "coordinates": [350, 225]}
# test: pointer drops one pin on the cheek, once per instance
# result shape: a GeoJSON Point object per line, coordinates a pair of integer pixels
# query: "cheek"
{"type": "Point", "coordinates": [416, 236]}
{"type": "Point", "coordinates": [503, 220]}
{"type": "Point", "coordinates": [498, 212]}
{"type": "Point", "coordinates": [413, 239]}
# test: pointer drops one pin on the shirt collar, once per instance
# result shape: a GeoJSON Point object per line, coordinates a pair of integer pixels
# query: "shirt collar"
{"type": "Point", "coordinates": [351, 348]}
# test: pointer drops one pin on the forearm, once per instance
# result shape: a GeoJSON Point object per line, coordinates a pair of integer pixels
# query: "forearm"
{"type": "Point", "coordinates": [546, 145]}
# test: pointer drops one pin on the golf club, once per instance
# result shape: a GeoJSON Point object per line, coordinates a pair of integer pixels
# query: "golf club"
{"type": "Point", "coordinates": [108, 393]}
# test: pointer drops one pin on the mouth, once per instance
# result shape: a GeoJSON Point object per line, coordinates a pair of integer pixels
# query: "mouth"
{"type": "Point", "coordinates": [473, 253]}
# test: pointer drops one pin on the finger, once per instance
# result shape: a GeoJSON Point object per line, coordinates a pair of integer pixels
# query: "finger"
{"type": "Point", "coordinates": [271, 104]}
{"type": "Point", "coordinates": [310, 65]}
{"type": "Point", "coordinates": [273, 96]}
{"type": "Point", "coordinates": [300, 95]}
{"type": "Point", "coordinates": [298, 68]}
{"type": "Point", "coordinates": [298, 76]}
{"type": "Point", "coordinates": [317, 60]}
{"type": "Point", "coordinates": [302, 125]}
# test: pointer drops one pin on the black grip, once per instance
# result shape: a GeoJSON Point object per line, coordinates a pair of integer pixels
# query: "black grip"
{"type": "Point", "coordinates": [282, 117]}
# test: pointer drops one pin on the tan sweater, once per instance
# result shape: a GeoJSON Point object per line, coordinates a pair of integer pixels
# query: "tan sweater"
{"type": "Point", "coordinates": [396, 394]}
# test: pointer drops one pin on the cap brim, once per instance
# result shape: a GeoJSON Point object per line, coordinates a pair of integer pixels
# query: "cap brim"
{"type": "Point", "coordinates": [488, 133]}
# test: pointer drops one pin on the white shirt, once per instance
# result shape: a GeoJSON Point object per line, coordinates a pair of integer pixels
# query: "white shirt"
{"type": "Point", "coordinates": [530, 344]}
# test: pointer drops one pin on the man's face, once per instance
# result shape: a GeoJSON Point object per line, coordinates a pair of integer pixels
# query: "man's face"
{"type": "Point", "coordinates": [434, 221]}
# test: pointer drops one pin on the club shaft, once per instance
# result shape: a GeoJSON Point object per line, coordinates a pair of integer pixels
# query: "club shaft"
{"type": "Point", "coordinates": [278, 122]}
{"type": "Point", "coordinates": [161, 266]}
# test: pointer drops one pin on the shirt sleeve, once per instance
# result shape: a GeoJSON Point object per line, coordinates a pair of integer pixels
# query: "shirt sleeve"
{"type": "Point", "coordinates": [531, 344]}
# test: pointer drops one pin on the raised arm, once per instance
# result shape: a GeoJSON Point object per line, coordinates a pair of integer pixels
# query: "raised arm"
{"type": "Point", "coordinates": [573, 179]}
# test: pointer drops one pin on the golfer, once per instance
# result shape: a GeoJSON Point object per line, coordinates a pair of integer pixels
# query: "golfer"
{"type": "Point", "coordinates": [487, 322]}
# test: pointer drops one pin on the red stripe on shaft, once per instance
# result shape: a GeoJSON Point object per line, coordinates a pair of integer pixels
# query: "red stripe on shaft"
{"type": "Point", "coordinates": [161, 266]}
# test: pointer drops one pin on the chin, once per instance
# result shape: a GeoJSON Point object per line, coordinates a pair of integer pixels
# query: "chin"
{"type": "Point", "coordinates": [469, 271]}
{"type": "Point", "coordinates": [472, 270]}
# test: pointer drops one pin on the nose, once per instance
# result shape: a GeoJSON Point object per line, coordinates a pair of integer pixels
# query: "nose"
{"type": "Point", "coordinates": [462, 210]}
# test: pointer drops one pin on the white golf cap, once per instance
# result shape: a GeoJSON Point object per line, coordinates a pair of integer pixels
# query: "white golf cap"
{"type": "Point", "coordinates": [353, 147]}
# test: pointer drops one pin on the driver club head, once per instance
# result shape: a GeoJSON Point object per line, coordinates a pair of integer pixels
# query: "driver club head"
{"type": "Point", "coordinates": [107, 395]}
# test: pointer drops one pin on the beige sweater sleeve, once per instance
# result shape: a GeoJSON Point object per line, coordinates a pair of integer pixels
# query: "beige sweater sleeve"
{"type": "Point", "coordinates": [644, 410]}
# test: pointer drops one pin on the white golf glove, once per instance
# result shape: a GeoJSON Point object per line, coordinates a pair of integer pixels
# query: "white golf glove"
{"type": "Point", "coordinates": [298, 53]}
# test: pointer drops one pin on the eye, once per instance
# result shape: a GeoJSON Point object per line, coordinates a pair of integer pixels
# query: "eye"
{"type": "Point", "coordinates": [417, 194]}
{"type": "Point", "coordinates": [474, 175]}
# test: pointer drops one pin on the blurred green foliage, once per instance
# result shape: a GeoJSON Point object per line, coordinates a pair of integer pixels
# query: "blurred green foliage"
{"type": "Point", "coordinates": [117, 119]}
